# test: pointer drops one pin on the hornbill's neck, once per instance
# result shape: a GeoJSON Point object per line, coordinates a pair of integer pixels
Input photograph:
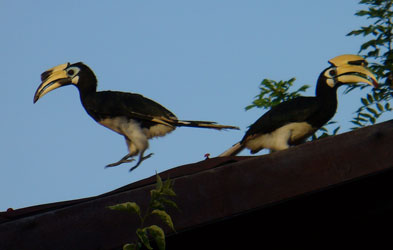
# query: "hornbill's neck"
{"type": "Point", "coordinates": [87, 84]}
{"type": "Point", "coordinates": [87, 89]}
{"type": "Point", "coordinates": [324, 91]}
{"type": "Point", "coordinates": [327, 99]}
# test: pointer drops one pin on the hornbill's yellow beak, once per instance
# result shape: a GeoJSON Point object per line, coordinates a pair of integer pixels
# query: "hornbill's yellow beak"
{"type": "Point", "coordinates": [52, 79]}
{"type": "Point", "coordinates": [351, 69]}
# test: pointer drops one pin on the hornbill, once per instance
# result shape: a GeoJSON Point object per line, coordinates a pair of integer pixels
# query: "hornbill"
{"type": "Point", "coordinates": [134, 116]}
{"type": "Point", "coordinates": [292, 122]}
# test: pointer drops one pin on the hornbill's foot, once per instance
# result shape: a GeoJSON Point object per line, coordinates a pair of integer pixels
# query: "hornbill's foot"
{"type": "Point", "coordinates": [125, 159]}
{"type": "Point", "coordinates": [141, 159]}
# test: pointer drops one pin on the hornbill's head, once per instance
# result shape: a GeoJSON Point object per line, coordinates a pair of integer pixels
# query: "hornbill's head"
{"type": "Point", "coordinates": [347, 69]}
{"type": "Point", "coordinates": [77, 74]}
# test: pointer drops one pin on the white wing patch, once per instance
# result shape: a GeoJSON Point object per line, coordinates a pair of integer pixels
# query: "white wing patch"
{"type": "Point", "coordinates": [279, 138]}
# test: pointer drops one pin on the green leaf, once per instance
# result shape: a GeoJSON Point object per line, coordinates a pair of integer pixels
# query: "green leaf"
{"type": "Point", "coordinates": [155, 195]}
{"type": "Point", "coordinates": [364, 101]}
{"type": "Point", "coordinates": [168, 184]}
{"type": "Point", "coordinates": [366, 45]}
{"type": "Point", "coordinates": [168, 192]}
{"type": "Point", "coordinates": [360, 119]}
{"type": "Point", "coordinates": [250, 107]}
{"type": "Point", "coordinates": [370, 98]}
{"type": "Point", "coordinates": [355, 33]}
{"type": "Point", "coordinates": [323, 135]}
{"type": "Point", "coordinates": [362, 13]}
{"type": "Point", "coordinates": [336, 130]}
{"type": "Point", "coordinates": [129, 247]}
{"type": "Point", "coordinates": [127, 206]}
{"type": "Point", "coordinates": [365, 115]}
{"type": "Point", "coordinates": [323, 129]}
{"type": "Point", "coordinates": [303, 88]}
{"type": "Point", "coordinates": [157, 204]}
{"type": "Point", "coordinates": [356, 123]}
{"type": "Point", "coordinates": [165, 217]}
{"type": "Point", "coordinates": [168, 203]}
{"type": "Point", "coordinates": [380, 107]}
{"type": "Point", "coordinates": [159, 183]}
{"type": "Point", "coordinates": [373, 111]}
{"type": "Point", "coordinates": [143, 237]}
{"type": "Point", "coordinates": [373, 53]}
{"type": "Point", "coordinates": [331, 122]}
{"type": "Point", "coordinates": [158, 235]}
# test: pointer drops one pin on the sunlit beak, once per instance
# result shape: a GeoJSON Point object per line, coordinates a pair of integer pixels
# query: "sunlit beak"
{"type": "Point", "coordinates": [53, 78]}
{"type": "Point", "coordinates": [352, 69]}
{"type": "Point", "coordinates": [356, 74]}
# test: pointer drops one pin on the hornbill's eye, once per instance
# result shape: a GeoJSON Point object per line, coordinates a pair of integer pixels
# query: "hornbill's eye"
{"type": "Point", "coordinates": [71, 72]}
{"type": "Point", "coordinates": [332, 72]}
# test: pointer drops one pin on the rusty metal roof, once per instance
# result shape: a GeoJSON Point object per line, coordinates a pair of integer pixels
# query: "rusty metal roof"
{"type": "Point", "coordinates": [345, 181]}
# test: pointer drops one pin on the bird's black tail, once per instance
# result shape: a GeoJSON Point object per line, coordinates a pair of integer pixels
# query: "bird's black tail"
{"type": "Point", "coordinates": [202, 124]}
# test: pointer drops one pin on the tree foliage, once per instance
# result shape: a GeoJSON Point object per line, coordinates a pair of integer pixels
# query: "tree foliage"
{"type": "Point", "coordinates": [378, 51]}
{"type": "Point", "coordinates": [273, 92]}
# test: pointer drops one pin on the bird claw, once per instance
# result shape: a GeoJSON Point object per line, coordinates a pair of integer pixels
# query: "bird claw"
{"type": "Point", "coordinates": [141, 159]}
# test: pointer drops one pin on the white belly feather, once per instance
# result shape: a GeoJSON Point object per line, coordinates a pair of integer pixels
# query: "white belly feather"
{"type": "Point", "coordinates": [279, 138]}
{"type": "Point", "coordinates": [136, 137]}
{"type": "Point", "coordinates": [127, 127]}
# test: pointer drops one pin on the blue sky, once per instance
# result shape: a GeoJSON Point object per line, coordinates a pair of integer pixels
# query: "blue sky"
{"type": "Point", "coordinates": [202, 60]}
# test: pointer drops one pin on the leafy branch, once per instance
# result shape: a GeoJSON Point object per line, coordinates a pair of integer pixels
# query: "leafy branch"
{"type": "Point", "coordinates": [159, 201]}
{"type": "Point", "coordinates": [373, 106]}
{"type": "Point", "coordinates": [273, 92]}
{"type": "Point", "coordinates": [378, 51]}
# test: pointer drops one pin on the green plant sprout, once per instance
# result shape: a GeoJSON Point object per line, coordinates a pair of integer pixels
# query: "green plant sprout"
{"type": "Point", "coordinates": [159, 201]}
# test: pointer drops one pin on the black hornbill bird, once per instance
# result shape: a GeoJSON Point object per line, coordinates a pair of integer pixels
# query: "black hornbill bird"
{"type": "Point", "coordinates": [132, 115]}
{"type": "Point", "coordinates": [292, 122]}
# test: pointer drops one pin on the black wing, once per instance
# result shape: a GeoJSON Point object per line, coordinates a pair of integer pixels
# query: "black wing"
{"type": "Point", "coordinates": [106, 104]}
{"type": "Point", "coordinates": [299, 109]}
